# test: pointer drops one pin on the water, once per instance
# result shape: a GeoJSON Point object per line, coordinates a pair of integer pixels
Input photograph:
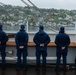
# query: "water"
{"type": "Point", "coordinates": [36, 28]}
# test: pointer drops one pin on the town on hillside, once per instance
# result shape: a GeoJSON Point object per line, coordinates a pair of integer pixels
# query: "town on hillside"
{"type": "Point", "coordinates": [13, 16]}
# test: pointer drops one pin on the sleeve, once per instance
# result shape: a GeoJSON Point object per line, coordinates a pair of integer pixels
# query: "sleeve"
{"type": "Point", "coordinates": [47, 40]}
{"type": "Point", "coordinates": [26, 40]}
{"type": "Point", "coordinates": [57, 41]}
{"type": "Point", "coordinates": [68, 41]}
{"type": "Point", "coordinates": [5, 38]}
{"type": "Point", "coordinates": [16, 40]}
{"type": "Point", "coordinates": [35, 40]}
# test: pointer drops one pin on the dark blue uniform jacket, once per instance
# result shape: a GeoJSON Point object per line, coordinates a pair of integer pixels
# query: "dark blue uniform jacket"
{"type": "Point", "coordinates": [62, 40]}
{"type": "Point", "coordinates": [3, 39]}
{"type": "Point", "coordinates": [41, 38]}
{"type": "Point", "coordinates": [21, 39]}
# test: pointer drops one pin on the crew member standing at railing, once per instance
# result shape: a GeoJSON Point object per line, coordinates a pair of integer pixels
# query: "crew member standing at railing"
{"type": "Point", "coordinates": [41, 39]}
{"type": "Point", "coordinates": [62, 41]}
{"type": "Point", "coordinates": [21, 40]}
{"type": "Point", "coordinates": [3, 40]}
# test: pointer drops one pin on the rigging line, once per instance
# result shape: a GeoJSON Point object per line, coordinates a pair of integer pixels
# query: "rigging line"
{"type": "Point", "coordinates": [2, 4]}
{"type": "Point", "coordinates": [25, 3]}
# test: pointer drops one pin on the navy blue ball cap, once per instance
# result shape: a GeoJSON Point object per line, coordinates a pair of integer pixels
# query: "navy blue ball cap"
{"type": "Point", "coordinates": [22, 26]}
{"type": "Point", "coordinates": [62, 28]}
{"type": "Point", "coordinates": [41, 27]}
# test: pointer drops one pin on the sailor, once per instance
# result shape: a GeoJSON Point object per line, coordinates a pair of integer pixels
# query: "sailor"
{"type": "Point", "coordinates": [3, 40]}
{"type": "Point", "coordinates": [41, 39]}
{"type": "Point", "coordinates": [62, 41]}
{"type": "Point", "coordinates": [21, 40]}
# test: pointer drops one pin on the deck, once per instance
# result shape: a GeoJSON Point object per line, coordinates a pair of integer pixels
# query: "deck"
{"type": "Point", "coordinates": [31, 71]}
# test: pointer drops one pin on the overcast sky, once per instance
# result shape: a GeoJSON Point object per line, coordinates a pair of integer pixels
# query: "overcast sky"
{"type": "Point", "coordinates": [57, 4]}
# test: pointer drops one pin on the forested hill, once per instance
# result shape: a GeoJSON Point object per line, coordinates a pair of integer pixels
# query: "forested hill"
{"type": "Point", "coordinates": [11, 13]}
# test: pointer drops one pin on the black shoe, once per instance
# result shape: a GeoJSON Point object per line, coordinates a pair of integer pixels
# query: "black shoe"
{"type": "Point", "coordinates": [37, 69]}
{"type": "Point", "coordinates": [17, 69]}
{"type": "Point", "coordinates": [56, 69]}
{"type": "Point", "coordinates": [25, 69]}
{"type": "Point", "coordinates": [44, 69]}
{"type": "Point", "coordinates": [3, 68]}
{"type": "Point", "coordinates": [75, 69]}
{"type": "Point", "coordinates": [64, 69]}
